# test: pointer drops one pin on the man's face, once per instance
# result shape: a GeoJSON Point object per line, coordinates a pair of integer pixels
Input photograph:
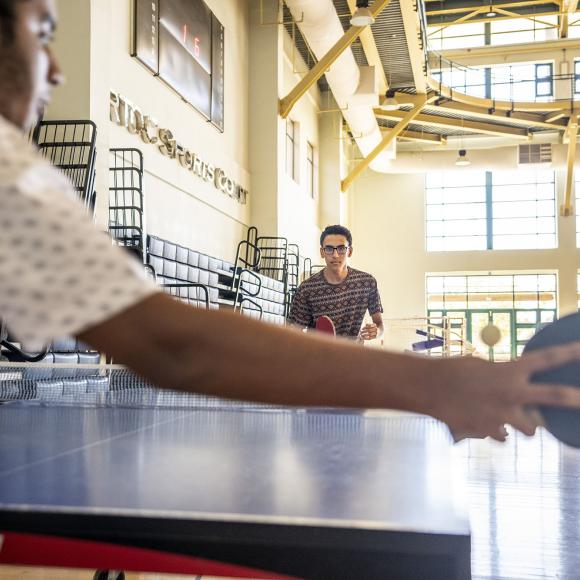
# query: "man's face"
{"type": "Point", "coordinates": [341, 251]}
{"type": "Point", "coordinates": [28, 69]}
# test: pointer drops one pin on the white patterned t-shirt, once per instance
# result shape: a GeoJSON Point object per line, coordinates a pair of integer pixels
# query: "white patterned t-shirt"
{"type": "Point", "coordinates": [59, 275]}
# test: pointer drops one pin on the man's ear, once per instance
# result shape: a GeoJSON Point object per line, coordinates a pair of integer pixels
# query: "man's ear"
{"type": "Point", "coordinates": [349, 251]}
{"type": "Point", "coordinates": [322, 252]}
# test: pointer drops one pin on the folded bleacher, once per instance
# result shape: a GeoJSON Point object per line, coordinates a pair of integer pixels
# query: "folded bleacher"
{"type": "Point", "coordinates": [181, 271]}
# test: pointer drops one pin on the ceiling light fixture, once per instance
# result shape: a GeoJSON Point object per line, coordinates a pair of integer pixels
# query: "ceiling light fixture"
{"type": "Point", "coordinates": [491, 12]}
{"type": "Point", "coordinates": [390, 103]}
{"type": "Point", "coordinates": [362, 15]}
{"type": "Point", "coordinates": [462, 158]}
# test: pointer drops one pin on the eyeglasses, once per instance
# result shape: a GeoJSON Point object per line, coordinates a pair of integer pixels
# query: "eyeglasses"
{"type": "Point", "coordinates": [340, 250]}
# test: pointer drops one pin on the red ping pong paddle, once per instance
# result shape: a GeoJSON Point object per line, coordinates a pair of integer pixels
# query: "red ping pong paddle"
{"type": "Point", "coordinates": [325, 324]}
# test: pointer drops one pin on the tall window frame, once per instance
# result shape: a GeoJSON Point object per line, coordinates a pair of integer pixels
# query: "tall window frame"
{"type": "Point", "coordinates": [524, 302]}
{"type": "Point", "coordinates": [577, 76]}
{"type": "Point", "coordinates": [483, 210]}
{"type": "Point", "coordinates": [496, 33]}
{"type": "Point", "coordinates": [291, 134]}
{"type": "Point", "coordinates": [311, 169]}
{"type": "Point", "coordinates": [523, 81]}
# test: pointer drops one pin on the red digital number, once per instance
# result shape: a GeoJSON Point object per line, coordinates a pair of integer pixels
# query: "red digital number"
{"type": "Point", "coordinates": [196, 42]}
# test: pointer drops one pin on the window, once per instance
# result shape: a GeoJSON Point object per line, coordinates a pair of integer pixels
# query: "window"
{"type": "Point", "coordinates": [291, 148]}
{"type": "Point", "coordinates": [456, 211]}
{"type": "Point", "coordinates": [310, 169]}
{"type": "Point", "coordinates": [574, 25]}
{"type": "Point", "coordinates": [577, 205]}
{"type": "Point", "coordinates": [544, 76]}
{"type": "Point", "coordinates": [508, 31]}
{"type": "Point", "coordinates": [519, 30]}
{"type": "Point", "coordinates": [577, 77]}
{"type": "Point", "coordinates": [519, 304]}
{"type": "Point", "coordinates": [517, 82]}
{"type": "Point", "coordinates": [478, 210]}
{"type": "Point", "coordinates": [522, 82]}
{"type": "Point", "coordinates": [458, 36]}
{"type": "Point", "coordinates": [470, 81]}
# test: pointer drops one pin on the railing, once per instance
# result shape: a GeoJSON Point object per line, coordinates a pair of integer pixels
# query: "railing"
{"type": "Point", "coordinates": [563, 86]}
{"type": "Point", "coordinates": [126, 202]}
{"type": "Point", "coordinates": [248, 257]}
{"type": "Point", "coordinates": [441, 336]}
{"type": "Point", "coordinates": [503, 82]}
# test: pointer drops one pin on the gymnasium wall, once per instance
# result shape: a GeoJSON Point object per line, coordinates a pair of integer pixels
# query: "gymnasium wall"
{"type": "Point", "coordinates": [94, 42]}
{"type": "Point", "coordinates": [388, 224]}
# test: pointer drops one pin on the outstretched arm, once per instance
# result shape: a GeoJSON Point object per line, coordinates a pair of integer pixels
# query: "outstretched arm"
{"type": "Point", "coordinates": [228, 355]}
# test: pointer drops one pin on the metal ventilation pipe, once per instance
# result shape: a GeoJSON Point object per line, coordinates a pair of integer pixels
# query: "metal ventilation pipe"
{"type": "Point", "coordinates": [319, 24]}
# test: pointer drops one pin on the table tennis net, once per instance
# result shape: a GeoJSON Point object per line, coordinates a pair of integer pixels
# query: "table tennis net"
{"type": "Point", "coordinates": [96, 385]}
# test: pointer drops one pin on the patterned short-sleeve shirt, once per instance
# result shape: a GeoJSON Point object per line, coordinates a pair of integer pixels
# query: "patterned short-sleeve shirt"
{"type": "Point", "coordinates": [345, 303]}
{"type": "Point", "coordinates": [59, 275]}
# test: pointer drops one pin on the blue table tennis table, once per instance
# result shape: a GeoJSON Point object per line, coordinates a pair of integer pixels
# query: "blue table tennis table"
{"type": "Point", "coordinates": [249, 490]}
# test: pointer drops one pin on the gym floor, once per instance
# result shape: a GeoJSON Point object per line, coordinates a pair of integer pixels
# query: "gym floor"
{"type": "Point", "coordinates": [524, 510]}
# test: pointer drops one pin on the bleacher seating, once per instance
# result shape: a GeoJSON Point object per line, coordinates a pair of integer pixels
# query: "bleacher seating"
{"type": "Point", "coordinates": [180, 270]}
{"type": "Point", "coordinates": [67, 350]}
{"type": "Point", "coordinates": [260, 296]}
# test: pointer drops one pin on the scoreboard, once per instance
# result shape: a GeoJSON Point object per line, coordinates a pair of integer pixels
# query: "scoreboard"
{"type": "Point", "coordinates": [183, 42]}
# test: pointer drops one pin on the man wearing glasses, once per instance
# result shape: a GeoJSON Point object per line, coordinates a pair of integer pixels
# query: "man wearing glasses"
{"type": "Point", "coordinates": [339, 292]}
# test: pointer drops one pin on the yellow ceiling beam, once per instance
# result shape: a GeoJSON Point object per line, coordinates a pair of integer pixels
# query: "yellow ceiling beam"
{"type": "Point", "coordinates": [286, 104]}
{"type": "Point", "coordinates": [423, 137]}
{"type": "Point", "coordinates": [467, 126]}
{"type": "Point", "coordinates": [551, 117]}
{"type": "Point", "coordinates": [568, 8]}
{"type": "Point", "coordinates": [369, 45]}
{"type": "Point", "coordinates": [386, 141]}
{"type": "Point", "coordinates": [487, 52]}
{"type": "Point", "coordinates": [461, 20]}
{"type": "Point", "coordinates": [533, 17]}
{"type": "Point", "coordinates": [482, 113]}
{"type": "Point", "coordinates": [412, 28]}
{"type": "Point", "coordinates": [572, 132]}
{"type": "Point", "coordinates": [501, 15]}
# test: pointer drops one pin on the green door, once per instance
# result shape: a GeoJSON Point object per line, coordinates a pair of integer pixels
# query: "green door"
{"type": "Point", "coordinates": [478, 319]}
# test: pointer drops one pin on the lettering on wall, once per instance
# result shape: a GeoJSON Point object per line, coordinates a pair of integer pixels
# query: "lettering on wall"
{"type": "Point", "coordinates": [125, 114]}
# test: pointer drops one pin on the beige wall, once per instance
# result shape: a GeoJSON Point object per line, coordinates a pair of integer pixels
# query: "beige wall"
{"type": "Point", "coordinates": [388, 216]}
{"type": "Point", "coordinates": [94, 46]}
{"type": "Point", "coordinates": [282, 206]}
{"type": "Point", "coordinates": [260, 66]}
{"type": "Point", "coordinates": [298, 217]}
{"type": "Point", "coordinates": [385, 212]}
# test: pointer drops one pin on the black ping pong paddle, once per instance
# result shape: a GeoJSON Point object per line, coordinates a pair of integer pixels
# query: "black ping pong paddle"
{"type": "Point", "coordinates": [564, 424]}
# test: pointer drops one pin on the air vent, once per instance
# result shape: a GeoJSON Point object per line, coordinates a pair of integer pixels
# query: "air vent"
{"type": "Point", "coordinates": [535, 154]}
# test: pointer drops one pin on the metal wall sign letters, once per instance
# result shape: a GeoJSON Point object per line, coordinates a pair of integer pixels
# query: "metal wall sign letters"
{"type": "Point", "coordinates": [125, 114]}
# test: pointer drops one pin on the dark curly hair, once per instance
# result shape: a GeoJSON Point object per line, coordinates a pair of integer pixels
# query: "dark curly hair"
{"type": "Point", "coordinates": [336, 231]}
{"type": "Point", "coordinates": [7, 18]}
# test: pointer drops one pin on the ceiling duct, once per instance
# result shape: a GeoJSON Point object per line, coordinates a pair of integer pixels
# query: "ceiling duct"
{"type": "Point", "coordinates": [354, 88]}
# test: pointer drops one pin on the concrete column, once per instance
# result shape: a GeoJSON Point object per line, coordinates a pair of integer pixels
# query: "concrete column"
{"type": "Point", "coordinates": [568, 254]}
{"type": "Point", "coordinates": [84, 58]}
{"type": "Point", "coordinates": [265, 143]}
{"type": "Point", "coordinates": [72, 48]}
{"type": "Point", "coordinates": [330, 211]}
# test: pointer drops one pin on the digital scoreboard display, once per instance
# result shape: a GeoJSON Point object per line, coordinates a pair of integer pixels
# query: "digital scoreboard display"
{"type": "Point", "coordinates": [183, 42]}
